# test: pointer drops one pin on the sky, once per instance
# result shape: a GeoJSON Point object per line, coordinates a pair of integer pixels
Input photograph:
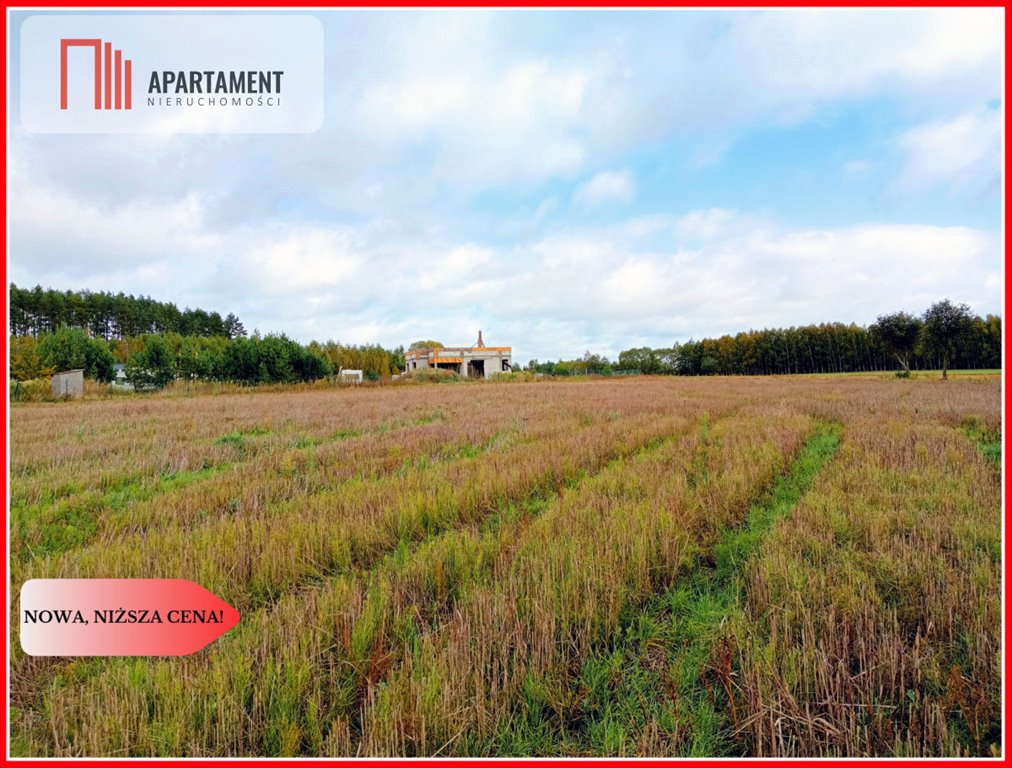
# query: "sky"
{"type": "Point", "coordinates": [564, 181]}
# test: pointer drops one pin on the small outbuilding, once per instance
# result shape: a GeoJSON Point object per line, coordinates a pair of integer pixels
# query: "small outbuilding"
{"type": "Point", "coordinates": [349, 376]}
{"type": "Point", "coordinates": [69, 383]}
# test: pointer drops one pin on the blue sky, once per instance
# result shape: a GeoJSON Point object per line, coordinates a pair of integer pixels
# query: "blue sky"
{"type": "Point", "coordinates": [564, 181]}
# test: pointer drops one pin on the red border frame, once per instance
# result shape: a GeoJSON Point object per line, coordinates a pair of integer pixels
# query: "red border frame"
{"type": "Point", "coordinates": [506, 762]}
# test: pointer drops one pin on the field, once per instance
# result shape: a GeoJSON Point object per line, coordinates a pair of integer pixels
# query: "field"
{"type": "Point", "coordinates": [653, 566]}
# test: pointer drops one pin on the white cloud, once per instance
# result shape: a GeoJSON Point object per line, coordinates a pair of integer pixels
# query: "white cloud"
{"type": "Point", "coordinates": [607, 186]}
{"type": "Point", "coordinates": [854, 169]}
{"type": "Point", "coordinates": [56, 230]}
{"type": "Point", "coordinates": [483, 113]}
{"type": "Point", "coordinates": [300, 262]}
{"type": "Point", "coordinates": [705, 224]}
{"type": "Point", "coordinates": [801, 57]}
{"type": "Point", "coordinates": [475, 99]}
{"type": "Point", "coordinates": [500, 111]}
{"type": "Point", "coordinates": [615, 288]}
{"type": "Point", "coordinates": [962, 154]}
{"type": "Point", "coordinates": [713, 79]}
{"type": "Point", "coordinates": [647, 279]}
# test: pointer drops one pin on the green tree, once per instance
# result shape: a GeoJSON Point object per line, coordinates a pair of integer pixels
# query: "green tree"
{"type": "Point", "coordinates": [110, 315]}
{"type": "Point", "coordinates": [154, 366]}
{"type": "Point", "coordinates": [642, 359]}
{"type": "Point", "coordinates": [944, 325]}
{"type": "Point", "coordinates": [233, 328]}
{"type": "Point", "coordinates": [239, 362]}
{"type": "Point", "coordinates": [68, 348]}
{"type": "Point", "coordinates": [898, 333]}
{"type": "Point", "coordinates": [100, 361]}
{"type": "Point", "coordinates": [197, 356]}
{"type": "Point", "coordinates": [65, 349]}
{"type": "Point", "coordinates": [397, 359]}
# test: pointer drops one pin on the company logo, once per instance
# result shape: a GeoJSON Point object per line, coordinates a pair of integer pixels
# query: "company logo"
{"type": "Point", "coordinates": [171, 73]}
{"type": "Point", "coordinates": [113, 74]}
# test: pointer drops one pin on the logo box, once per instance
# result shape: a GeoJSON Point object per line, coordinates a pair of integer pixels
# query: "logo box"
{"type": "Point", "coordinates": [169, 73]}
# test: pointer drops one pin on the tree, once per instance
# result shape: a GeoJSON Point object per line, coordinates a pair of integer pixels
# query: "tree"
{"type": "Point", "coordinates": [153, 367]}
{"type": "Point", "coordinates": [642, 359]}
{"type": "Point", "coordinates": [65, 349]}
{"type": "Point", "coordinates": [99, 361]}
{"type": "Point", "coordinates": [108, 315]}
{"type": "Point", "coordinates": [898, 333]}
{"type": "Point", "coordinates": [595, 363]}
{"type": "Point", "coordinates": [668, 359]}
{"type": "Point", "coordinates": [197, 356]}
{"type": "Point", "coordinates": [26, 363]}
{"type": "Point", "coordinates": [397, 359]}
{"type": "Point", "coordinates": [944, 325]}
{"type": "Point", "coordinates": [233, 328]}
{"type": "Point", "coordinates": [69, 348]}
{"type": "Point", "coordinates": [239, 362]}
{"type": "Point", "coordinates": [426, 345]}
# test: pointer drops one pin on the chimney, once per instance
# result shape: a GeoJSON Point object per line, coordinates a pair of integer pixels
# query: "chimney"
{"type": "Point", "coordinates": [480, 342]}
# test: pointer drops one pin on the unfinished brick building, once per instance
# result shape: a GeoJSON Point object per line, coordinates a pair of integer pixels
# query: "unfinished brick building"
{"type": "Point", "coordinates": [475, 362]}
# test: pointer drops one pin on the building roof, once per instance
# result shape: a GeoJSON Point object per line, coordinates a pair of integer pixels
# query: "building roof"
{"type": "Point", "coordinates": [446, 353]}
{"type": "Point", "coordinates": [443, 352]}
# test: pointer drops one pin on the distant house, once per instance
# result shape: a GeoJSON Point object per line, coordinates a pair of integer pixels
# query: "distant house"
{"type": "Point", "coordinates": [476, 362]}
{"type": "Point", "coordinates": [119, 378]}
{"type": "Point", "coordinates": [69, 383]}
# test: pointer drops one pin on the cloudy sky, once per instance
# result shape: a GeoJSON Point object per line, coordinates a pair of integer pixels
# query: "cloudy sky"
{"type": "Point", "coordinates": [563, 181]}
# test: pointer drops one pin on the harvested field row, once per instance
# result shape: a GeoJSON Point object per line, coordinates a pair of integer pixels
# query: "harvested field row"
{"type": "Point", "coordinates": [893, 644]}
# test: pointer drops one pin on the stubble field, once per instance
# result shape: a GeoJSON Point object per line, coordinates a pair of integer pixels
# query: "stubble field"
{"type": "Point", "coordinates": [652, 566]}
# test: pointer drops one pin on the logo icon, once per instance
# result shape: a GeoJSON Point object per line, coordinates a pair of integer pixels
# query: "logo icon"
{"type": "Point", "coordinates": [113, 74]}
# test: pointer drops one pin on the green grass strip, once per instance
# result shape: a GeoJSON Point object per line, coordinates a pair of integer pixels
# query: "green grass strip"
{"type": "Point", "coordinates": [667, 673]}
{"type": "Point", "coordinates": [988, 441]}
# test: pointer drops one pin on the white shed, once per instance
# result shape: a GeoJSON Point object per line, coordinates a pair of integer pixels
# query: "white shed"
{"type": "Point", "coordinates": [69, 383]}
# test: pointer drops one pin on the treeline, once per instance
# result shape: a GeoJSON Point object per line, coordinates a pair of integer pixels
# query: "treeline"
{"type": "Point", "coordinates": [374, 361]}
{"type": "Point", "coordinates": [589, 365]}
{"type": "Point", "coordinates": [258, 360]}
{"type": "Point", "coordinates": [152, 361]}
{"type": "Point", "coordinates": [111, 316]}
{"type": "Point", "coordinates": [945, 336]}
{"type": "Point", "coordinates": [35, 357]}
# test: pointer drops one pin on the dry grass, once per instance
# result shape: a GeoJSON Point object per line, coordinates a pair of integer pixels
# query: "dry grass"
{"type": "Point", "coordinates": [445, 569]}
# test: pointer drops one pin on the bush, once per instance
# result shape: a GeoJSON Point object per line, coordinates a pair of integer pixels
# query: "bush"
{"type": "Point", "coordinates": [430, 375]}
{"type": "Point", "coordinates": [31, 391]}
{"type": "Point", "coordinates": [513, 376]}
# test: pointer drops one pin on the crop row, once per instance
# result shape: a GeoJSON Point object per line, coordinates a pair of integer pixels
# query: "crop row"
{"type": "Point", "coordinates": [875, 610]}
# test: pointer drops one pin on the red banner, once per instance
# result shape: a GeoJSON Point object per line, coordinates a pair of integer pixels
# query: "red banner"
{"type": "Point", "coordinates": [120, 617]}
